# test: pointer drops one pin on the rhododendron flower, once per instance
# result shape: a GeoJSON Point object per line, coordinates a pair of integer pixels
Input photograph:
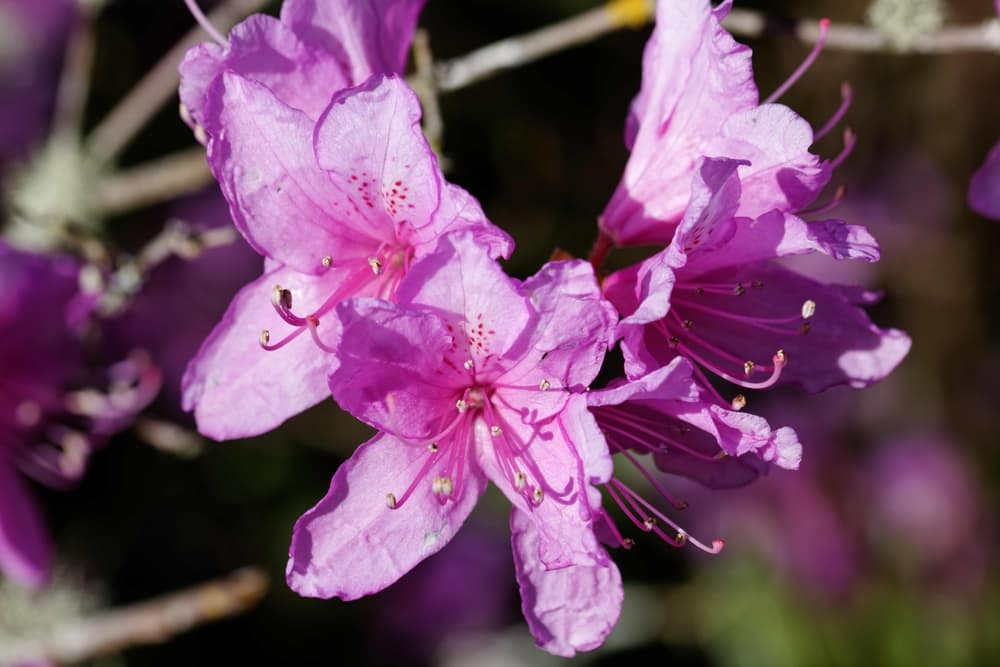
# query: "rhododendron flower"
{"type": "Point", "coordinates": [471, 376]}
{"type": "Point", "coordinates": [48, 423]}
{"type": "Point", "coordinates": [713, 296]}
{"type": "Point", "coordinates": [339, 207]}
{"type": "Point", "coordinates": [317, 48]}
{"type": "Point", "coordinates": [984, 190]}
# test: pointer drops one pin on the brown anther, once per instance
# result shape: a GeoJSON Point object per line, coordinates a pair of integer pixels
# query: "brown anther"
{"type": "Point", "coordinates": [468, 365]}
{"type": "Point", "coordinates": [544, 385]}
{"type": "Point", "coordinates": [779, 358]}
{"type": "Point", "coordinates": [739, 290]}
{"type": "Point", "coordinates": [537, 494]}
{"type": "Point", "coordinates": [276, 295]}
{"type": "Point", "coordinates": [748, 368]}
{"type": "Point", "coordinates": [739, 402]}
{"type": "Point", "coordinates": [390, 500]}
{"type": "Point", "coordinates": [461, 405]}
{"type": "Point", "coordinates": [376, 265]}
{"type": "Point", "coordinates": [433, 448]}
{"type": "Point", "coordinates": [520, 479]}
{"type": "Point", "coordinates": [687, 324]}
{"type": "Point", "coordinates": [495, 430]}
{"type": "Point", "coordinates": [648, 523]}
{"type": "Point", "coordinates": [442, 486]}
{"type": "Point", "coordinates": [674, 341]}
{"type": "Point", "coordinates": [681, 537]}
{"type": "Point", "coordinates": [327, 262]}
{"type": "Point", "coordinates": [265, 337]}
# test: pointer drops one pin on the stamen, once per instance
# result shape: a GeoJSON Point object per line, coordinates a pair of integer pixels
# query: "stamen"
{"type": "Point", "coordinates": [265, 337]}
{"type": "Point", "coordinates": [520, 479]}
{"type": "Point", "coordinates": [739, 402]}
{"type": "Point", "coordinates": [682, 536]}
{"type": "Point", "coordinates": [850, 139]}
{"type": "Point", "coordinates": [496, 430]}
{"type": "Point", "coordinates": [808, 309]}
{"type": "Point", "coordinates": [327, 261]}
{"type": "Point", "coordinates": [846, 95]}
{"type": "Point", "coordinates": [469, 365]}
{"type": "Point", "coordinates": [538, 494]}
{"type": "Point", "coordinates": [461, 405]}
{"type": "Point", "coordinates": [204, 22]}
{"type": "Point", "coordinates": [433, 448]}
{"type": "Point", "coordinates": [390, 500]}
{"type": "Point", "coordinates": [824, 30]}
{"type": "Point", "coordinates": [376, 265]}
{"type": "Point", "coordinates": [544, 385]}
{"type": "Point", "coordinates": [838, 196]}
{"type": "Point", "coordinates": [312, 323]}
{"type": "Point", "coordinates": [748, 368]}
{"type": "Point", "coordinates": [442, 486]}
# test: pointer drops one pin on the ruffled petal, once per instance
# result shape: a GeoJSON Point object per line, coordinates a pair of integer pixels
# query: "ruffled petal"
{"type": "Point", "coordinates": [352, 544]}
{"type": "Point", "coordinates": [569, 609]}
{"type": "Point", "coordinates": [25, 547]}
{"type": "Point", "coordinates": [280, 199]}
{"type": "Point", "coordinates": [695, 76]}
{"type": "Point", "coordinates": [367, 37]}
{"type": "Point", "coordinates": [238, 389]}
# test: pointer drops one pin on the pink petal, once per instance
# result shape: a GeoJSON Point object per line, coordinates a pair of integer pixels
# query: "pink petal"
{"type": "Point", "coordinates": [569, 609]}
{"type": "Point", "coordinates": [374, 151]}
{"type": "Point", "coordinates": [266, 51]}
{"type": "Point", "coordinates": [368, 36]}
{"type": "Point", "coordinates": [695, 76]}
{"type": "Point", "coordinates": [238, 389]}
{"type": "Point", "coordinates": [392, 371]}
{"type": "Point", "coordinates": [279, 197]}
{"type": "Point", "coordinates": [553, 451]}
{"type": "Point", "coordinates": [25, 547]}
{"type": "Point", "coordinates": [351, 544]}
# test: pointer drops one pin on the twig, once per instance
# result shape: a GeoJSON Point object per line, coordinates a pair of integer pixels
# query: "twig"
{"type": "Point", "coordinates": [153, 182]}
{"type": "Point", "coordinates": [149, 622]}
{"type": "Point", "coordinates": [516, 51]}
{"type": "Point", "coordinates": [114, 132]}
{"type": "Point", "coordinates": [983, 36]}
{"type": "Point", "coordinates": [423, 84]}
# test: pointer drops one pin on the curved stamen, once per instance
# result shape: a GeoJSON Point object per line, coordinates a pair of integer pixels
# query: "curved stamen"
{"type": "Point", "coordinates": [624, 542]}
{"type": "Point", "coordinates": [846, 97]}
{"type": "Point", "coordinates": [838, 196]}
{"type": "Point", "coordinates": [824, 30]}
{"type": "Point", "coordinates": [312, 323]}
{"type": "Point", "coordinates": [850, 139]}
{"type": "Point", "coordinates": [677, 504]}
{"type": "Point", "coordinates": [779, 359]}
{"type": "Point", "coordinates": [265, 339]}
{"type": "Point", "coordinates": [204, 22]}
{"type": "Point", "coordinates": [682, 535]}
{"type": "Point", "coordinates": [396, 503]}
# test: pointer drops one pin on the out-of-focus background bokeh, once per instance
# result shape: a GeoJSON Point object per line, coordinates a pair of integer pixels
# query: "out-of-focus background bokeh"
{"type": "Point", "coordinates": [879, 551]}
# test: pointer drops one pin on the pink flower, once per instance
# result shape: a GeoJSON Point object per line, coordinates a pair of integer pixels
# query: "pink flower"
{"type": "Point", "coordinates": [471, 376]}
{"type": "Point", "coordinates": [339, 207]}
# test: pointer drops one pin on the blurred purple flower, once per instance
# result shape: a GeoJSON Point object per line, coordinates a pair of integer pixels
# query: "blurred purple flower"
{"type": "Point", "coordinates": [472, 377]}
{"type": "Point", "coordinates": [49, 420]}
{"type": "Point", "coordinates": [984, 190]}
{"type": "Point", "coordinates": [33, 35]}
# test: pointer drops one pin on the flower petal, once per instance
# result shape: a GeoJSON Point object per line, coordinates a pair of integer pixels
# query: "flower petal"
{"type": "Point", "coordinates": [570, 609]}
{"type": "Point", "coordinates": [238, 389]}
{"type": "Point", "coordinates": [280, 199]}
{"type": "Point", "coordinates": [351, 544]}
{"type": "Point", "coordinates": [25, 547]}
{"type": "Point", "coordinates": [695, 76]}
{"type": "Point", "coordinates": [368, 37]}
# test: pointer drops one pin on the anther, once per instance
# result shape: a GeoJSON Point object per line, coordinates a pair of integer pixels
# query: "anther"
{"type": "Point", "coordinates": [739, 402]}
{"type": "Point", "coordinates": [808, 309]}
{"type": "Point", "coordinates": [390, 500]}
{"type": "Point", "coordinates": [265, 337]}
{"type": "Point", "coordinates": [748, 368]}
{"type": "Point", "coordinates": [681, 537]}
{"type": "Point", "coordinates": [432, 448]}
{"type": "Point", "coordinates": [442, 486]}
{"type": "Point", "coordinates": [739, 290]}
{"type": "Point", "coordinates": [544, 385]}
{"type": "Point", "coordinates": [779, 358]}
{"type": "Point", "coordinates": [461, 405]}
{"type": "Point", "coordinates": [674, 341]}
{"type": "Point", "coordinates": [628, 543]}
{"type": "Point", "coordinates": [276, 295]}
{"type": "Point", "coordinates": [519, 480]}
{"type": "Point", "coordinates": [469, 365]}
{"type": "Point", "coordinates": [687, 324]}
{"type": "Point", "coordinates": [538, 493]}
{"type": "Point", "coordinates": [376, 265]}
{"type": "Point", "coordinates": [496, 430]}
{"type": "Point", "coordinates": [648, 523]}
{"type": "Point", "coordinates": [327, 262]}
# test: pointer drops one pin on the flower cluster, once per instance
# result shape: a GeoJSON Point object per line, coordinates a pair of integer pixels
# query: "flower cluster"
{"type": "Point", "coordinates": [382, 287]}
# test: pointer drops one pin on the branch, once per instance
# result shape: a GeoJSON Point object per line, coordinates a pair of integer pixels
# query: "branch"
{"type": "Point", "coordinates": [150, 622]}
{"type": "Point", "coordinates": [124, 121]}
{"type": "Point", "coordinates": [983, 36]}
{"type": "Point", "coordinates": [153, 182]}
{"type": "Point", "coordinates": [516, 51]}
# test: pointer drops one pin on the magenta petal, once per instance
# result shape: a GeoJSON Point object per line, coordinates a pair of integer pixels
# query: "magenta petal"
{"type": "Point", "coordinates": [351, 544]}
{"type": "Point", "coordinates": [695, 76]}
{"type": "Point", "coordinates": [279, 197]}
{"type": "Point", "coordinates": [984, 190]}
{"type": "Point", "coordinates": [374, 151]}
{"type": "Point", "coordinates": [25, 547]}
{"type": "Point", "coordinates": [569, 609]}
{"type": "Point", "coordinates": [368, 36]}
{"type": "Point", "coordinates": [238, 389]}
{"type": "Point", "coordinates": [459, 211]}
{"type": "Point", "coordinates": [392, 371]}
{"type": "Point", "coordinates": [562, 515]}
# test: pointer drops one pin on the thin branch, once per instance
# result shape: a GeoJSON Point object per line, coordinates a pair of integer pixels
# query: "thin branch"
{"type": "Point", "coordinates": [516, 51]}
{"type": "Point", "coordinates": [118, 128]}
{"type": "Point", "coordinates": [153, 182]}
{"type": "Point", "coordinates": [983, 36]}
{"type": "Point", "coordinates": [424, 85]}
{"type": "Point", "coordinates": [150, 622]}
